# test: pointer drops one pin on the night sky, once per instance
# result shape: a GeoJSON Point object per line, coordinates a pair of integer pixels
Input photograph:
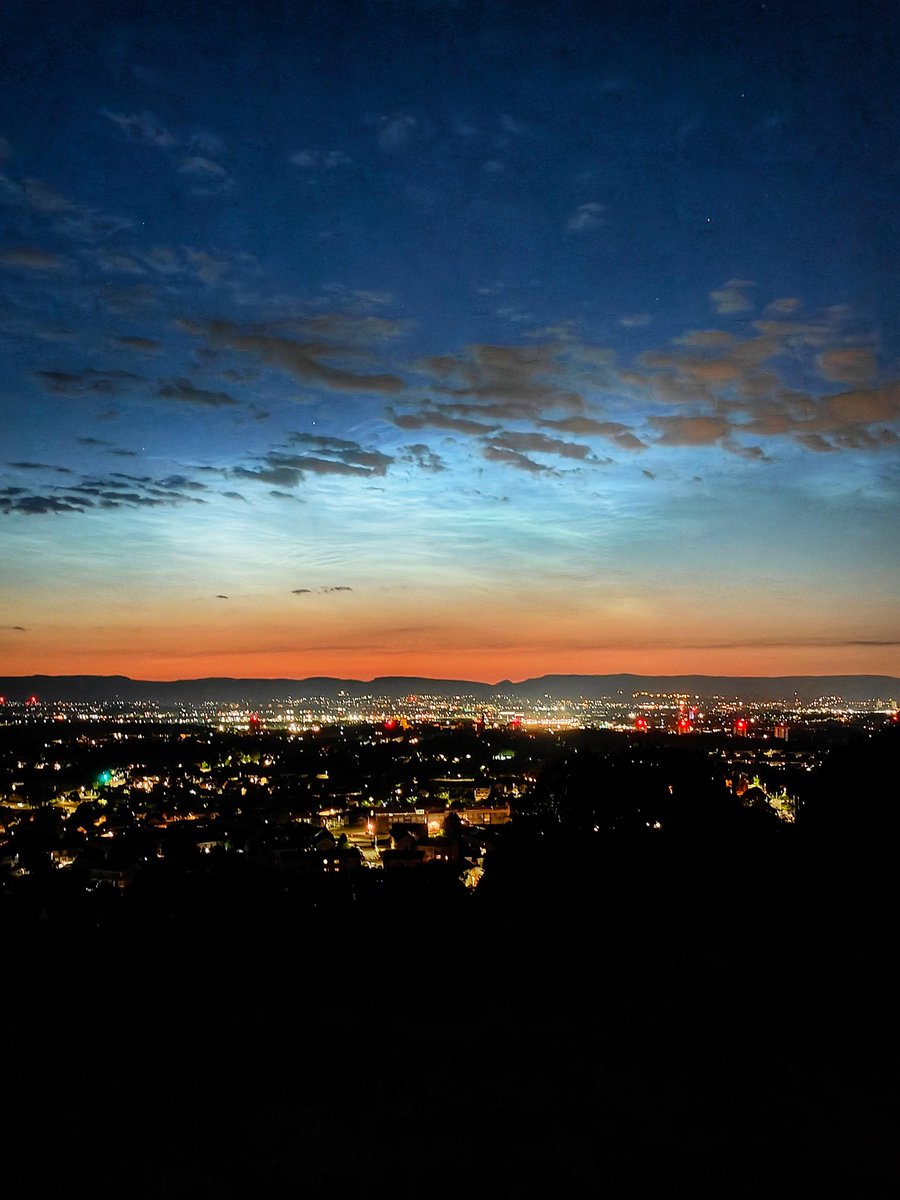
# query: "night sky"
{"type": "Point", "coordinates": [461, 339]}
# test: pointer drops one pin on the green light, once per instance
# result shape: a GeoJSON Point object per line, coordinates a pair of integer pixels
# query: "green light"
{"type": "Point", "coordinates": [104, 778]}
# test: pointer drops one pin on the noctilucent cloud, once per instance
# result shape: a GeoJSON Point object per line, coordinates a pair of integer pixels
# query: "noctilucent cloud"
{"type": "Point", "coordinates": [449, 338]}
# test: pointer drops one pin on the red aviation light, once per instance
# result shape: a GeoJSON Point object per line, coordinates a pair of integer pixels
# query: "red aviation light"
{"type": "Point", "coordinates": [32, 700]}
{"type": "Point", "coordinates": [684, 725]}
{"type": "Point", "coordinates": [642, 724]}
{"type": "Point", "coordinates": [740, 725]}
{"type": "Point", "coordinates": [390, 724]}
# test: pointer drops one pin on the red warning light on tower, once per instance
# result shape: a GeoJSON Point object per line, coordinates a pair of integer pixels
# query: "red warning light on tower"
{"type": "Point", "coordinates": [684, 724]}
{"type": "Point", "coordinates": [32, 700]}
{"type": "Point", "coordinates": [641, 724]}
{"type": "Point", "coordinates": [255, 723]}
{"type": "Point", "coordinates": [741, 726]}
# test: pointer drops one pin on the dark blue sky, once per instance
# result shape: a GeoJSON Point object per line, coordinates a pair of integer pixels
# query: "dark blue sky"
{"type": "Point", "coordinates": [462, 338]}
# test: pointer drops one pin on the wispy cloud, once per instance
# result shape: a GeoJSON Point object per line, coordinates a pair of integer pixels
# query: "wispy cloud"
{"type": "Point", "coordinates": [36, 466]}
{"type": "Point", "coordinates": [636, 320]}
{"type": "Point", "coordinates": [207, 176]}
{"type": "Point", "coordinates": [398, 131]}
{"type": "Point", "coordinates": [89, 493]}
{"type": "Point", "coordinates": [185, 392]}
{"type": "Point", "coordinates": [320, 591]}
{"type": "Point", "coordinates": [525, 379]}
{"type": "Point", "coordinates": [142, 345]}
{"type": "Point", "coordinates": [321, 456]}
{"type": "Point", "coordinates": [34, 202]}
{"type": "Point", "coordinates": [341, 451]}
{"type": "Point", "coordinates": [691, 431]}
{"type": "Point", "coordinates": [540, 443]}
{"type": "Point", "coordinates": [514, 458]}
{"type": "Point", "coordinates": [40, 505]}
{"type": "Point", "coordinates": [855, 364]}
{"type": "Point", "coordinates": [613, 431]}
{"type": "Point", "coordinates": [143, 127]}
{"type": "Point", "coordinates": [586, 217]}
{"type": "Point", "coordinates": [437, 418]}
{"type": "Point", "coordinates": [31, 258]}
{"type": "Point", "coordinates": [89, 381]}
{"type": "Point", "coordinates": [313, 160]}
{"type": "Point", "coordinates": [203, 168]}
{"type": "Point", "coordinates": [424, 458]}
{"type": "Point", "coordinates": [730, 391]}
{"type": "Point", "coordinates": [732, 297]}
{"type": "Point", "coordinates": [309, 362]}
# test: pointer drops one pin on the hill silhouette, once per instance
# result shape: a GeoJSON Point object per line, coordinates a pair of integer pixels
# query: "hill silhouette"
{"type": "Point", "coordinates": [113, 688]}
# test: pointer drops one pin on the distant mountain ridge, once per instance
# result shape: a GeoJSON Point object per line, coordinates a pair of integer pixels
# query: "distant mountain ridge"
{"type": "Point", "coordinates": [254, 692]}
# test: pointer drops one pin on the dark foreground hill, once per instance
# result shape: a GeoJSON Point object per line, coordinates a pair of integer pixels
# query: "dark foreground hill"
{"type": "Point", "coordinates": [253, 692]}
{"type": "Point", "coordinates": [740, 1050]}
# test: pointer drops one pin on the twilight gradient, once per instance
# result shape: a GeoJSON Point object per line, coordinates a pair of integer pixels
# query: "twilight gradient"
{"type": "Point", "coordinates": [459, 339]}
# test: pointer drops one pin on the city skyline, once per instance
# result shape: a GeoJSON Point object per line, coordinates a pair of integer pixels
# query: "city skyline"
{"type": "Point", "coordinates": [462, 340]}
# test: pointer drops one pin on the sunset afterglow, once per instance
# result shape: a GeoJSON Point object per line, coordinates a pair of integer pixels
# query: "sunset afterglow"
{"type": "Point", "coordinates": [448, 340]}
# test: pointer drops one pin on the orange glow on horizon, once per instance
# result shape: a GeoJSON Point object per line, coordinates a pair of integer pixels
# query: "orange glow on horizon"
{"type": "Point", "coordinates": [488, 666]}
